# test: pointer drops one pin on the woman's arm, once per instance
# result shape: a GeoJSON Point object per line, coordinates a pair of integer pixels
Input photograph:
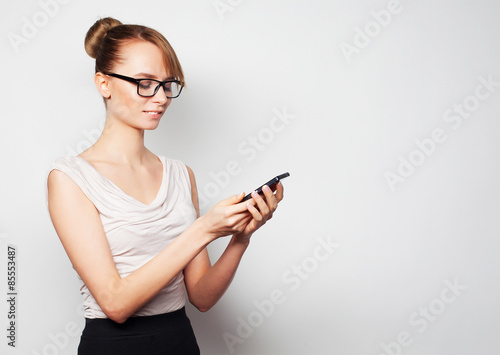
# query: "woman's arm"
{"type": "Point", "coordinates": [80, 230]}
{"type": "Point", "coordinates": [205, 284]}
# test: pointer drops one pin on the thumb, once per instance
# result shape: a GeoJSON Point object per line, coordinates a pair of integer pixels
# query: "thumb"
{"type": "Point", "coordinates": [232, 199]}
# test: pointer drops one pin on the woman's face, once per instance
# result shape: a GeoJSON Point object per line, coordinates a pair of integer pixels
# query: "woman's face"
{"type": "Point", "coordinates": [140, 59]}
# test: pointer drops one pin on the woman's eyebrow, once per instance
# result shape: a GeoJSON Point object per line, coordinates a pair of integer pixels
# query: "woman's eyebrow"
{"type": "Point", "coordinates": [146, 75]}
{"type": "Point", "coordinates": [151, 76]}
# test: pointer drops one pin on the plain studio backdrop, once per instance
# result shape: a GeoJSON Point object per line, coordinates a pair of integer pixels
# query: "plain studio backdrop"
{"type": "Point", "coordinates": [385, 113]}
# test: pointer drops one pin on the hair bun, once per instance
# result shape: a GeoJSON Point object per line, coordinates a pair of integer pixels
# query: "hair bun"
{"type": "Point", "coordinates": [97, 32]}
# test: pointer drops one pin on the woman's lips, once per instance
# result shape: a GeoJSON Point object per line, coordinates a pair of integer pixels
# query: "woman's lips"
{"type": "Point", "coordinates": [154, 114]}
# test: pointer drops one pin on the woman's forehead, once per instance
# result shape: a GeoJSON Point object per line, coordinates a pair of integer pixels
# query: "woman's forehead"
{"type": "Point", "coordinates": [142, 57]}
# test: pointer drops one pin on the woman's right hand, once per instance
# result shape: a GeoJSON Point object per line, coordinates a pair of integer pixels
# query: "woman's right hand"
{"type": "Point", "coordinates": [226, 218]}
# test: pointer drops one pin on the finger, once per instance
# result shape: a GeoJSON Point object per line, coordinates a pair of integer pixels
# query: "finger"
{"type": "Point", "coordinates": [248, 217]}
{"type": "Point", "coordinates": [232, 199]}
{"type": "Point", "coordinates": [255, 212]}
{"type": "Point", "coordinates": [261, 204]}
{"type": "Point", "coordinates": [244, 221]}
{"type": "Point", "coordinates": [238, 208]}
{"type": "Point", "coordinates": [243, 214]}
{"type": "Point", "coordinates": [271, 201]}
{"type": "Point", "coordinates": [234, 208]}
{"type": "Point", "coordinates": [251, 201]}
{"type": "Point", "coordinates": [279, 191]}
{"type": "Point", "coordinates": [240, 217]}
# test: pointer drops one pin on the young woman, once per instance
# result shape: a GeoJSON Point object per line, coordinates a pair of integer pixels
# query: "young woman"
{"type": "Point", "coordinates": [129, 219]}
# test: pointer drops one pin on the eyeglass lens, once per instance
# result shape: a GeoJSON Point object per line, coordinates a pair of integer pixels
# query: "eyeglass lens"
{"type": "Point", "coordinates": [150, 87]}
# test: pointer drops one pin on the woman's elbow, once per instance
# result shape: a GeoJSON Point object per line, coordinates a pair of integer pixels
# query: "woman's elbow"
{"type": "Point", "coordinates": [200, 306]}
{"type": "Point", "coordinates": [203, 308]}
{"type": "Point", "coordinates": [116, 314]}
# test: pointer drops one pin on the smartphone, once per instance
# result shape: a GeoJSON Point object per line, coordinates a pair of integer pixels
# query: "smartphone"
{"type": "Point", "coordinates": [271, 183]}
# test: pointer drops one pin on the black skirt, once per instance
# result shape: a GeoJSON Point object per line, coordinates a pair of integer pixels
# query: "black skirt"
{"type": "Point", "coordinates": [163, 334]}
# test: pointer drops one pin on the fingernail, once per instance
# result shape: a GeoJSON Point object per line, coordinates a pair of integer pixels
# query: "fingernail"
{"type": "Point", "coordinates": [266, 188]}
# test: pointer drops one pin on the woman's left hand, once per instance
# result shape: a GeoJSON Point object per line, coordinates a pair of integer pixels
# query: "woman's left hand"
{"type": "Point", "coordinates": [262, 210]}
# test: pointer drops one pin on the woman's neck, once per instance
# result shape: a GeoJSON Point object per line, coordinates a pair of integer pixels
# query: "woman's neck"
{"type": "Point", "coordinates": [121, 144]}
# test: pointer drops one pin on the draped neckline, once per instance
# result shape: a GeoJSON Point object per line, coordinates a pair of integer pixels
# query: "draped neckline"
{"type": "Point", "coordinates": [123, 193]}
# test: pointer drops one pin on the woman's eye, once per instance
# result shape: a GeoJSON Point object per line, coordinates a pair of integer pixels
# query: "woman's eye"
{"type": "Point", "coordinates": [146, 84]}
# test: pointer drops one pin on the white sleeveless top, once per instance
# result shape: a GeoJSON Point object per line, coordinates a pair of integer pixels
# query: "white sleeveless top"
{"type": "Point", "coordinates": [136, 232]}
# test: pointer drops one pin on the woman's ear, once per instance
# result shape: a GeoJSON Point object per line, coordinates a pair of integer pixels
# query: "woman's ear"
{"type": "Point", "coordinates": [102, 83]}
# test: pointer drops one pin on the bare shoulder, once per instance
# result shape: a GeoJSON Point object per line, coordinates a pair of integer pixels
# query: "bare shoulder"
{"type": "Point", "coordinates": [63, 193]}
{"type": "Point", "coordinates": [59, 180]}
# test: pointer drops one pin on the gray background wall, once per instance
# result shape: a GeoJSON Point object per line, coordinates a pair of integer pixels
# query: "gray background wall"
{"type": "Point", "coordinates": [384, 112]}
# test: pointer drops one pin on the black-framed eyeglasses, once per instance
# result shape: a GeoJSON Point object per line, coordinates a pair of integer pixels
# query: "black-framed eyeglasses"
{"type": "Point", "coordinates": [149, 87]}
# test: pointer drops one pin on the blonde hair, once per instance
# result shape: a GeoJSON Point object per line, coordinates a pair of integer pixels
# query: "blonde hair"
{"type": "Point", "coordinates": [105, 38]}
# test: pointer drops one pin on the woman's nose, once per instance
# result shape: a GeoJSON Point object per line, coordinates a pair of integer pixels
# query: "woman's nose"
{"type": "Point", "coordinates": [160, 96]}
